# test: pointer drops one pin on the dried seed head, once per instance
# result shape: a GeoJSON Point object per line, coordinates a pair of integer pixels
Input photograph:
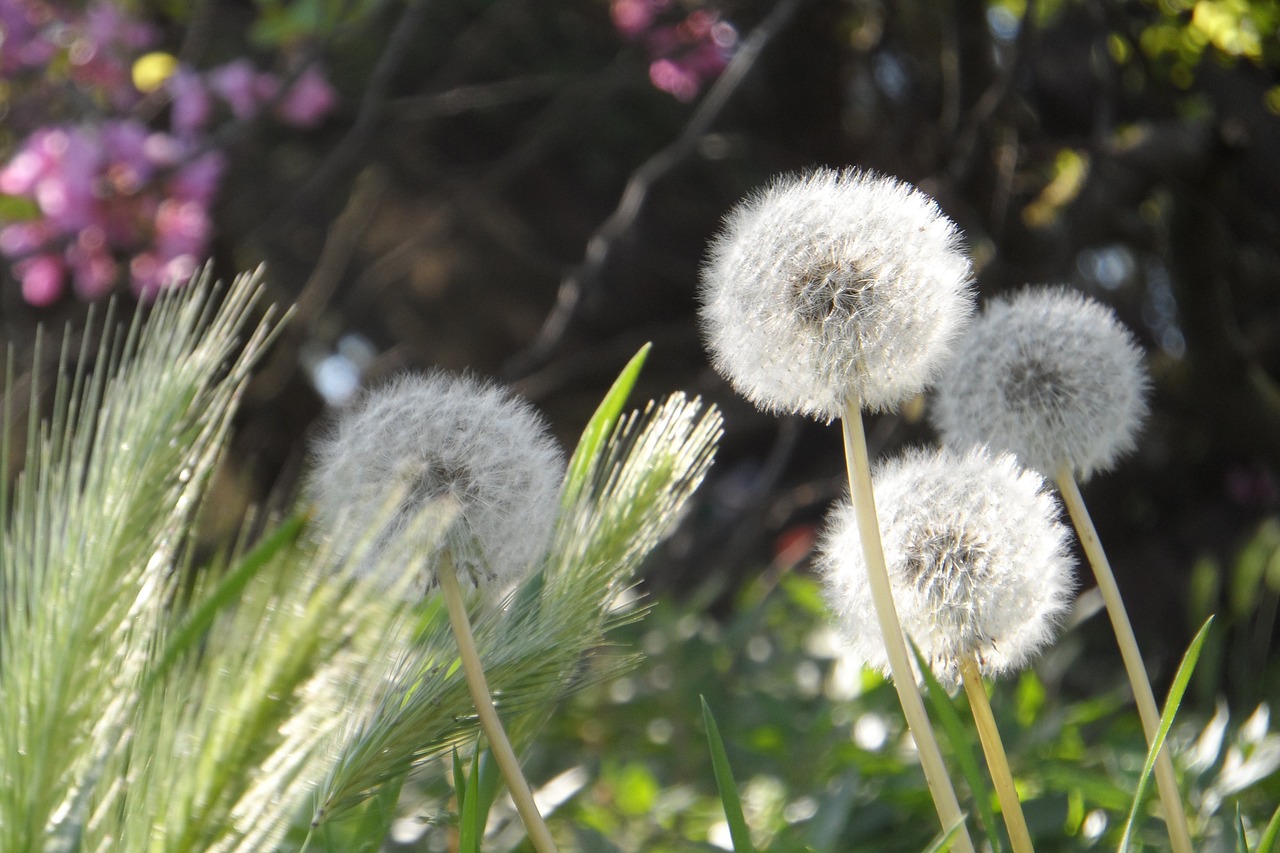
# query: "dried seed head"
{"type": "Point", "coordinates": [977, 560]}
{"type": "Point", "coordinates": [427, 441]}
{"type": "Point", "coordinates": [1050, 376]}
{"type": "Point", "coordinates": [832, 285]}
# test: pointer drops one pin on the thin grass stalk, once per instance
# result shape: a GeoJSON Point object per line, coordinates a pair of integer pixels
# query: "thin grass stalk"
{"type": "Point", "coordinates": [539, 835]}
{"type": "Point", "coordinates": [997, 760]}
{"type": "Point", "coordinates": [904, 681]}
{"type": "Point", "coordinates": [1166, 781]}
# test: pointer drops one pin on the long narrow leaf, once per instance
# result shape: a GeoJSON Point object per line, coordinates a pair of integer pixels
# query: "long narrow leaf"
{"type": "Point", "coordinates": [961, 747]}
{"type": "Point", "coordinates": [601, 426]}
{"type": "Point", "coordinates": [724, 782]}
{"type": "Point", "coordinates": [1176, 690]}
{"type": "Point", "coordinates": [470, 819]}
{"type": "Point", "coordinates": [227, 592]}
{"type": "Point", "coordinates": [1267, 844]}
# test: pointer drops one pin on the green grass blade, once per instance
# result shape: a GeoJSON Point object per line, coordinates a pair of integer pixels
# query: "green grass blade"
{"type": "Point", "coordinates": [489, 779]}
{"type": "Point", "coordinates": [601, 426]}
{"type": "Point", "coordinates": [459, 780]}
{"type": "Point", "coordinates": [944, 838]}
{"type": "Point", "coordinates": [1171, 704]}
{"type": "Point", "coordinates": [961, 748]}
{"type": "Point", "coordinates": [1267, 844]}
{"type": "Point", "coordinates": [724, 781]}
{"type": "Point", "coordinates": [1242, 846]}
{"type": "Point", "coordinates": [226, 594]}
{"type": "Point", "coordinates": [470, 819]}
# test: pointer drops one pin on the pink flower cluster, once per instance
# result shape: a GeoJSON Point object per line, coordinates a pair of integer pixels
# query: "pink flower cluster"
{"type": "Point", "coordinates": [247, 93]}
{"type": "Point", "coordinates": [683, 55]}
{"type": "Point", "coordinates": [103, 192]}
{"type": "Point", "coordinates": [109, 197]}
{"type": "Point", "coordinates": [98, 43]}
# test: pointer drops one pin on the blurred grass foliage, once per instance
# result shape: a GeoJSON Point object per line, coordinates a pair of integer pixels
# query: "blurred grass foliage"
{"type": "Point", "coordinates": [817, 745]}
{"type": "Point", "coordinates": [275, 695]}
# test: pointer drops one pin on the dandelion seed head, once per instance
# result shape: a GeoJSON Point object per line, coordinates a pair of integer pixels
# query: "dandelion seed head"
{"type": "Point", "coordinates": [1050, 376]}
{"type": "Point", "coordinates": [978, 562]}
{"type": "Point", "coordinates": [428, 441]}
{"type": "Point", "coordinates": [831, 285]}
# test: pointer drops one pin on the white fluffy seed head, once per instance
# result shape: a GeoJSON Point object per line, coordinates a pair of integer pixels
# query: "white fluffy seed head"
{"type": "Point", "coordinates": [428, 441]}
{"type": "Point", "coordinates": [834, 285]}
{"type": "Point", "coordinates": [978, 562]}
{"type": "Point", "coordinates": [1050, 376]}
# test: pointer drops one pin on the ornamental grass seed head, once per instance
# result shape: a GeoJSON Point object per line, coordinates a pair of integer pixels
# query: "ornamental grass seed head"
{"type": "Point", "coordinates": [1050, 376]}
{"type": "Point", "coordinates": [977, 560]}
{"type": "Point", "coordinates": [832, 285]}
{"type": "Point", "coordinates": [424, 440]}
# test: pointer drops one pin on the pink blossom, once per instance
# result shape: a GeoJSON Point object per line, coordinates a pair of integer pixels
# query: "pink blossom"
{"type": "Point", "coordinates": [124, 147]}
{"type": "Point", "coordinates": [106, 24]}
{"type": "Point", "coordinates": [181, 227]}
{"type": "Point", "coordinates": [93, 269]}
{"type": "Point", "coordinates": [190, 104]}
{"type": "Point", "coordinates": [22, 24]}
{"type": "Point", "coordinates": [675, 79]}
{"type": "Point", "coordinates": [683, 56]}
{"type": "Point", "coordinates": [632, 17]}
{"type": "Point", "coordinates": [150, 272]}
{"type": "Point", "coordinates": [65, 192]}
{"type": "Point", "coordinates": [198, 180]}
{"type": "Point", "coordinates": [42, 279]}
{"type": "Point", "coordinates": [23, 171]}
{"type": "Point", "coordinates": [308, 100]}
{"type": "Point", "coordinates": [237, 84]}
{"type": "Point", "coordinates": [24, 238]}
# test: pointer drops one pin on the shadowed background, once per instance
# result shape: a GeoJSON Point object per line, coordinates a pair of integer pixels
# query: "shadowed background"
{"type": "Point", "coordinates": [504, 188]}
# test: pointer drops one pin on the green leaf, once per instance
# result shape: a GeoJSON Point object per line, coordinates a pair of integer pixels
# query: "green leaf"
{"type": "Point", "coordinates": [961, 747]}
{"type": "Point", "coordinates": [17, 208]}
{"type": "Point", "coordinates": [1176, 691]}
{"type": "Point", "coordinates": [601, 426]}
{"type": "Point", "coordinates": [1242, 846]}
{"type": "Point", "coordinates": [459, 780]}
{"type": "Point", "coordinates": [1267, 844]}
{"type": "Point", "coordinates": [724, 781]}
{"type": "Point", "coordinates": [470, 819]}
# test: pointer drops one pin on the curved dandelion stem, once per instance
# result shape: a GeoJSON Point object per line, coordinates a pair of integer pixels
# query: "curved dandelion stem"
{"type": "Point", "coordinates": [539, 835]}
{"type": "Point", "coordinates": [997, 760]}
{"type": "Point", "coordinates": [904, 681]}
{"type": "Point", "coordinates": [1166, 781]}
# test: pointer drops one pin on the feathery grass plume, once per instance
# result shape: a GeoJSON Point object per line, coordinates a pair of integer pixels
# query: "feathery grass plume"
{"type": "Point", "coordinates": [1050, 376]}
{"type": "Point", "coordinates": [834, 285]}
{"type": "Point", "coordinates": [1054, 378]}
{"type": "Point", "coordinates": [980, 572]}
{"type": "Point", "coordinates": [978, 560]}
{"type": "Point", "coordinates": [432, 436]}
{"type": "Point", "coordinates": [96, 528]}
{"type": "Point", "coordinates": [257, 702]}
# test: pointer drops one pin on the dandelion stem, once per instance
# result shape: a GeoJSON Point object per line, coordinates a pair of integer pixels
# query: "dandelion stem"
{"type": "Point", "coordinates": [1144, 697]}
{"type": "Point", "coordinates": [904, 681]}
{"type": "Point", "coordinates": [539, 835]}
{"type": "Point", "coordinates": [997, 760]}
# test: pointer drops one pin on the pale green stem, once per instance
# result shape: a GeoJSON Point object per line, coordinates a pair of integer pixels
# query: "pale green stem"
{"type": "Point", "coordinates": [539, 835]}
{"type": "Point", "coordinates": [997, 760]}
{"type": "Point", "coordinates": [904, 679]}
{"type": "Point", "coordinates": [1166, 781]}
